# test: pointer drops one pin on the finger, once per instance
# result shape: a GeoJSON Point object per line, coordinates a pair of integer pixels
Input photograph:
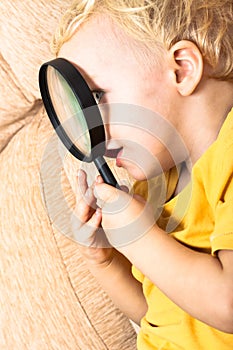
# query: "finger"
{"type": "Point", "coordinates": [85, 199]}
{"type": "Point", "coordinates": [83, 190]}
{"type": "Point", "coordinates": [81, 183]}
{"type": "Point", "coordinates": [99, 179]}
{"type": "Point", "coordinates": [98, 238]}
{"type": "Point", "coordinates": [95, 220]}
{"type": "Point", "coordinates": [123, 188]}
{"type": "Point", "coordinates": [105, 193]}
{"type": "Point", "coordinates": [85, 206]}
{"type": "Point", "coordinates": [111, 199]}
{"type": "Point", "coordinates": [85, 234]}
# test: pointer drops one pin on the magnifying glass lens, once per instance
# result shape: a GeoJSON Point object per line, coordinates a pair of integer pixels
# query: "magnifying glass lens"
{"type": "Point", "coordinates": [74, 114]}
{"type": "Point", "coordinates": [68, 110]}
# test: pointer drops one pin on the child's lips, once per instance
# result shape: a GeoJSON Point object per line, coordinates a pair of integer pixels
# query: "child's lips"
{"type": "Point", "coordinates": [115, 153]}
{"type": "Point", "coordinates": [118, 158]}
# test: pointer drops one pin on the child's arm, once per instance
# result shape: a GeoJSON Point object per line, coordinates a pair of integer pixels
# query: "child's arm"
{"type": "Point", "coordinates": [199, 283]}
{"type": "Point", "coordinates": [124, 290]}
{"type": "Point", "coordinates": [110, 267]}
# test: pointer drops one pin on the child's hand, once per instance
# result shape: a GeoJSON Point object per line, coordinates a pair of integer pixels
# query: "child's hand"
{"type": "Point", "coordinates": [86, 224]}
{"type": "Point", "coordinates": [124, 218]}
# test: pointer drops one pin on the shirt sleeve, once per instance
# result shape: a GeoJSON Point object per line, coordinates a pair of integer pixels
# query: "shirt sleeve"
{"type": "Point", "coordinates": [137, 274]}
{"type": "Point", "coordinates": [222, 236]}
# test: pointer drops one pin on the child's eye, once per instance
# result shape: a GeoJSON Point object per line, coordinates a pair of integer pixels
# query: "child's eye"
{"type": "Point", "coordinates": [97, 96]}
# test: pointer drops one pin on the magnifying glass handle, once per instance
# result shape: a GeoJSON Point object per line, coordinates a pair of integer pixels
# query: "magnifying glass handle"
{"type": "Point", "coordinates": [105, 172]}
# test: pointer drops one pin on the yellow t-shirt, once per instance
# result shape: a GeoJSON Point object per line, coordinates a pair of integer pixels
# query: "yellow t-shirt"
{"type": "Point", "coordinates": [201, 217]}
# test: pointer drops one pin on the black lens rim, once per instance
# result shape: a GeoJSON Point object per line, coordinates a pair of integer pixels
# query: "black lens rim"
{"type": "Point", "coordinates": [86, 100]}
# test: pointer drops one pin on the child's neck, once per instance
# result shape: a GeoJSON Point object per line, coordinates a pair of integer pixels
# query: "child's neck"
{"type": "Point", "coordinates": [205, 111]}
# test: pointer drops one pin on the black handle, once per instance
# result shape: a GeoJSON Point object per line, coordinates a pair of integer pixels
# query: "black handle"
{"type": "Point", "coordinates": [105, 172]}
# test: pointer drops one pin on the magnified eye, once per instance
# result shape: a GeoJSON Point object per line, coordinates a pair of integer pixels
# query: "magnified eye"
{"type": "Point", "coordinates": [97, 96]}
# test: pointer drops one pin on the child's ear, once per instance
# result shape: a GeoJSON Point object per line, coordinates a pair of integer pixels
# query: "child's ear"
{"type": "Point", "coordinates": [187, 65]}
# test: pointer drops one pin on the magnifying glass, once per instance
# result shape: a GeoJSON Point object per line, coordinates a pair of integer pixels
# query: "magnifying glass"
{"type": "Point", "coordinates": [74, 114]}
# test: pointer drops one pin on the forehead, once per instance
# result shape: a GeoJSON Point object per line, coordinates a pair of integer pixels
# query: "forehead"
{"type": "Point", "coordinates": [100, 41]}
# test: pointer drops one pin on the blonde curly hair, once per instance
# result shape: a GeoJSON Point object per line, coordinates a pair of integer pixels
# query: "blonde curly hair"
{"type": "Point", "coordinates": [207, 23]}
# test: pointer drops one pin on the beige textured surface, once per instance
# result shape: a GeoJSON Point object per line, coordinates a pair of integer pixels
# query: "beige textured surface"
{"type": "Point", "coordinates": [48, 299]}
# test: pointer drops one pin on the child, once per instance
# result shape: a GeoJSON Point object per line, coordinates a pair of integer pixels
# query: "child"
{"type": "Point", "coordinates": [173, 58]}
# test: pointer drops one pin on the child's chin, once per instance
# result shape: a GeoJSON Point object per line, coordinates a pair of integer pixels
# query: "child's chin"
{"type": "Point", "coordinates": [136, 173]}
{"type": "Point", "coordinates": [140, 175]}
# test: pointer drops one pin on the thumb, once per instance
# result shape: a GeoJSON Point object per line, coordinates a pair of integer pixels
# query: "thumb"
{"type": "Point", "coordinates": [110, 199]}
{"type": "Point", "coordinates": [105, 193]}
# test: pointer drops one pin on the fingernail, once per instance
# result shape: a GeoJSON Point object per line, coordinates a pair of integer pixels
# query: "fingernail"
{"type": "Point", "coordinates": [98, 179]}
{"type": "Point", "coordinates": [98, 212]}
